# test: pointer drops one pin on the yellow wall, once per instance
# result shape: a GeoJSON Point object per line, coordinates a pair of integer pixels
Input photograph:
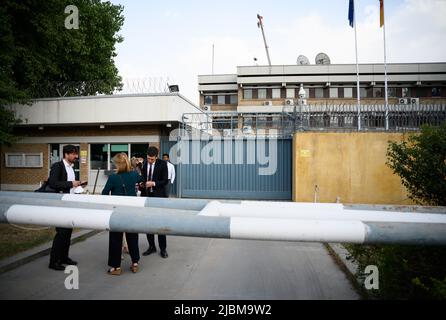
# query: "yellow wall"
{"type": "Point", "coordinates": [346, 165]}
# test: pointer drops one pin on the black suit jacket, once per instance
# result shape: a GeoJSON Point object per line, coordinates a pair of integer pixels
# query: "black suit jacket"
{"type": "Point", "coordinates": [159, 176]}
{"type": "Point", "coordinates": [58, 178]}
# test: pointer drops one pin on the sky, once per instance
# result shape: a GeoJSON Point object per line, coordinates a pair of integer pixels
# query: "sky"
{"type": "Point", "coordinates": [173, 39]}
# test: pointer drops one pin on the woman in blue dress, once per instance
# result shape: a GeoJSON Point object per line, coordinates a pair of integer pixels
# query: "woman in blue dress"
{"type": "Point", "coordinates": [122, 183]}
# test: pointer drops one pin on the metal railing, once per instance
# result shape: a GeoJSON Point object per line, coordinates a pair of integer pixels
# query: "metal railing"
{"type": "Point", "coordinates": [314, 118]}
{"type": "Point", "coordinates": [234, 124]}
{"type": "Point", "coordinates": [373, 117]}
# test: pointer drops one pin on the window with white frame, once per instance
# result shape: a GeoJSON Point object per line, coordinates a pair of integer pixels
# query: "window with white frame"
{"type": "Point", "coordinates": [247, 94]}
{"type": "Point", "coordinates": [363, 92]}
{"type": "Point", "coordinates": [334, 93]}
{"type": "Point", "coordinates": [99, 156]}
{"type": "Point", "coordinates": [348, 92]}
{"type": "Point", "coordinates": [391, 92]}
{"type": "Point", "coordinates": [115, 149]}
{"type": "Point", "coordinates": [24, 160]}
{"type": "Point", "coordinates": [262, 93]}
{"type": "Point", "coordinates": [405, 92]}
{"type": "Point", "coordinates": [319, 93]}
{"type": "Point", "coordinates": [233, 99]}
{"type": "Point", "coordinates": [436, 92]}
{"type": "Point", "coordinates": [290, 93]}
{"type": "Point", "coordinates": [207, 99]}
{"type": "Point", "coordinates": [276, 93]}
{"type": "Point", "coordinates": [221, 100]}
{"type": "Point", "coordinates": [378, 92]}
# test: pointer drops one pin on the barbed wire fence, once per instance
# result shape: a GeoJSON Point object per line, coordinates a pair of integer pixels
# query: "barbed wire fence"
{"type": "Point", "coordinates": [58, 89]}
{"type": "Point", "coordinates": [145, 85]}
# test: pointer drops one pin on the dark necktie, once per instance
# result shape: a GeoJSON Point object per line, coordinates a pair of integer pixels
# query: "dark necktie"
{"type": "Point", "coordinates": [149, 177]}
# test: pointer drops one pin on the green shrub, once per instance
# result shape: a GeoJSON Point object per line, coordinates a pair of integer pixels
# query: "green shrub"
{"type": "Point", "coordinates": [405, 272]}
{"type": "Point", "coordinates": [413, 272]}
{"type": "Point", "coordinates": [421, 164]}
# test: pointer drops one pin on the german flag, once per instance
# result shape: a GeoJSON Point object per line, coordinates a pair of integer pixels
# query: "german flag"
{"type": "Point", "coordinates": [381, 13]}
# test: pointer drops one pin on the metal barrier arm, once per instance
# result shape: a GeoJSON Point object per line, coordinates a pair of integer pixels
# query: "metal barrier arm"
{"type": "Point", "coordinates": [169, 203]}
{"type": "Point", "coordinates": [427, 230]}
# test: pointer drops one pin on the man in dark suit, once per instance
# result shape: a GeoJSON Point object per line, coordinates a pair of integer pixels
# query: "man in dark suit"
{"type": "Point", "coordinates": [155, 175]}
{"type": "Point", "coordinates": [63, 180]}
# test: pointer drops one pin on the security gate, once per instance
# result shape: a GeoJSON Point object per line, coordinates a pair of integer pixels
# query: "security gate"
{"type": "Point", "coordinates": [234, 168]}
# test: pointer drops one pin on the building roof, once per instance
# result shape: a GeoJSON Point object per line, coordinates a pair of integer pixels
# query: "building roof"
{"type": "Point", "coordinates": [282, 74]}
{"type": "Point", "coordinates": [106, 109]}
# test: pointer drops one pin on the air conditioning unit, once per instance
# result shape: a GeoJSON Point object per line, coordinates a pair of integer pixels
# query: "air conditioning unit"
{"type": "Point", "coordinates": [247, 129]}
{"type": "Point", "coordinates": [267, 103]}
{"type": "Point", "coordinates": [206, 108]}
{"type": "Point", "coordinates": [227, 132]}
{"type": "Point", "coordinates": [289, 102]}
{"type": "Point", "coordinates": [403, 101]}
{"type": "Point", "coordinates": [414, 101]}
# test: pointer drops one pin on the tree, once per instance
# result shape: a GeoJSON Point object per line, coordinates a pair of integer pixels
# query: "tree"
{"type": "Point", "coordinates": [413, 272]}
{"type": "Point", "coordinates": [421, 163]}
{"type": "Point", "coordinates": [40, 57]}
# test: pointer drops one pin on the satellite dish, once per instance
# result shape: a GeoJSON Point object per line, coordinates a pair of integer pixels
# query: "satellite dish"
{"type": "Point", "coordinates": [302, 60]}
{"type": "Point", "coordinates": [322, 58]}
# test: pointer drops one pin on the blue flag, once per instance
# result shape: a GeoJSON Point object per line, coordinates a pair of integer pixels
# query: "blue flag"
{"type": "Point", "coordinates": [351, 13]}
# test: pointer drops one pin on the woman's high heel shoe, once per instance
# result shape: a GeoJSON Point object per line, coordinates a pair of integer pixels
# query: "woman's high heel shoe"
{"type": "Point", "coordinates": [134, 268]}
{"type": "Point", "coordinates": [114, 271]}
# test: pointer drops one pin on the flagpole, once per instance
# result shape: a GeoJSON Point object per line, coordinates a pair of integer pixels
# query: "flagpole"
{"type": "Point", "coordinates": [212, 59]}
{"type": "Point", "coordinates": [385, 74]}
{"type": "Point", "coordinates": [357, 71]}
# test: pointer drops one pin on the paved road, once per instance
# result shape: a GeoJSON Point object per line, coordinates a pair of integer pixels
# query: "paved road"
{"type": "Point", "coordinates": [196, 269]}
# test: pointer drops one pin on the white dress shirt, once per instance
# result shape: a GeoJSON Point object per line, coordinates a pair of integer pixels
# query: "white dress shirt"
{"type": "Point", "coordinates": [148, 176]}
{"type": "Point", "coordinates": [70, 173]}
{"type": "Point", "coordinates": [171, 172]}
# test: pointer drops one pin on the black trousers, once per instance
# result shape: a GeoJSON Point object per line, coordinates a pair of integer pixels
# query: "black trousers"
{"type": "Point", "coordinates": [61, 245]}
{"type": "Point", "coordinates": [162, 239]}
{"type": "Point", "coordinates": [115, 248]}
{"type": "Point", "coordinates": [167, 188]}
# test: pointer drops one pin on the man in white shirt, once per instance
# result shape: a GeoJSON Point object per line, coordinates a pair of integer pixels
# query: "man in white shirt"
{"type": "Point", "coordinates": [171, 173]}
{"type": "Point", "coordinates": [70, 172]}
{"type": "Point", "coordinates": [62, 179]}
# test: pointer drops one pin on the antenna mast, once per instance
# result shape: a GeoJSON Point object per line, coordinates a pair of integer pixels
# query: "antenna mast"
{"type": "Point", "coordinates": [260, 25]}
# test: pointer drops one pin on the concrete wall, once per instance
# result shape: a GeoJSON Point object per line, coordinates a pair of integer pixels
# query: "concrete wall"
{"type": "Point", "coordinates": [350, 166]}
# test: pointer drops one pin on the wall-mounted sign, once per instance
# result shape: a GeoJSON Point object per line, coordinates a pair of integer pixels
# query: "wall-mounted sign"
{"type": "Point", "coordinates": [305, 153]}
{"type": "Point", "coordinates": [84, 154]}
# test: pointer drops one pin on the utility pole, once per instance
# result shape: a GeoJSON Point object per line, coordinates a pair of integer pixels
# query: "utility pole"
{"type": "Point", "coordinates": [260, 25]}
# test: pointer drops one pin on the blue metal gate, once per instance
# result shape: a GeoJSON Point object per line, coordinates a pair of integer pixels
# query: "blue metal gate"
{"type": "Point", "coordinates": [236, 172]}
